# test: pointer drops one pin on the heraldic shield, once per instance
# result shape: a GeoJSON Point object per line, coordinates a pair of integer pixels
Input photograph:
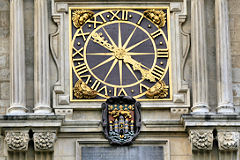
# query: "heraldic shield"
{"type": "Point", "coordinates": [121, 119]}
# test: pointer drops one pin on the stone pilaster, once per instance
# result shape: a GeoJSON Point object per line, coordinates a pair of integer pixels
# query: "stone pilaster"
{"type": "Point", "coordinates": [228, 144]}
{"type": "Point", "coordinates": [202, 143]}
{"type": "Point", "coordinates": [41, 58]}
{"type": "Point", "coordinates": [17, 59]}
{"type": "Point", "coordinates": [224, 66]}
{"type": "Point", "coordinates": [199, 57]}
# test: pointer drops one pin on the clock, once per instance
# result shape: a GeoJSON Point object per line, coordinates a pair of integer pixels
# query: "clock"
{"type": "Point", "coordinates": [116, 51]}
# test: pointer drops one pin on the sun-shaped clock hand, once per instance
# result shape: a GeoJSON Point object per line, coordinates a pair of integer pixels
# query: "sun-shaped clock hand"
{"type": "Point", "coordinates": [98, 38]}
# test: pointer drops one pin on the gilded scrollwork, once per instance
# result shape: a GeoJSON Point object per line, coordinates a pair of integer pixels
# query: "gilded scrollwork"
{"type": "Point", "coordinates": [17, 141]}
{"type": "Point", "coordinates": [156, 16]}
{"type": "Point", "coordinates": [44, 141]}
{"type": "Point", "coordinates": [82, 91]}
{"type": "Point", "coordinates": [201, 139]}
{"type": "Point", "coordinates": [228, 141]}
{"type": "Point", "coordinates": [159, 90]}
{"type": "Point", "coordinates": [79, 17]}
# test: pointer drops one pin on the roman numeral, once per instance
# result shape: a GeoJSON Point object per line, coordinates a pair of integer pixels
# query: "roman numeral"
{"type": "Point", "coordinates": [86, 76]}
{"type": "Point", "coordinates": [156, 33]}
{"type": "Point", "coordinates": [115, 15]}
{"type": "Point", "coordinates": [95, 21]}
{"type": "Point", "coordinates": [157, 71]}
{"type": "Point", "coordinates": [124, 15]}
{"type": "Point", "coordinates": [162, 53]}
{"type": "Point", "coordinates": [121, 92]}
{"type": "Point", "coordinates": [143, 87]}
{"type": "Point", "coordinates": [81, 68]}
{"type": "Point", "coordinates": [82, 34]}
{"type": "Point", "coordinates": [96, 85]}
{"type": "Point", "coordinates": [77, 52]}
{"type": "Point", "coordinates": [140, 20]}
{"type": "Point", "coordinates": [104, 88]}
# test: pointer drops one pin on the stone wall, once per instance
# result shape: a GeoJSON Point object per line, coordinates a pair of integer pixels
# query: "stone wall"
{"type": "Point", "coordinates": [234, 14]}
{"type": "Point", "coordinates": [4, 55]}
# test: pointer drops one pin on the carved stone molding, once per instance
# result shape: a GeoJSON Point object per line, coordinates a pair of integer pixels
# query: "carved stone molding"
{"type": "Point", "coordinates": [17, 140]}
{"type": "Point", "coordinates": [201, 139]}
{"type": "Point", "coordinates": [228, 141]}
{"type": "Point", "coordinates": [44, 141]}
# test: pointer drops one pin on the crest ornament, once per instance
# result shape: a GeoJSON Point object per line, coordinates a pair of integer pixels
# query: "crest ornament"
{"type": "Point", "coordinates": [81, 90]}
{"type": "Point", "coordinates": [17, 141]}
{"type": "Point", "coordinates": [80, 17]}
{"type": "Point", "coordinates": [121, 119]}
{"type": "Point", "coordinates": [159, 90]}
{"type": "Point", "coordinates": [156, 16]}
{"type": "Point", "coordinates": [228, 141]}
{"type": "Point", "coordinates": [201, 139]}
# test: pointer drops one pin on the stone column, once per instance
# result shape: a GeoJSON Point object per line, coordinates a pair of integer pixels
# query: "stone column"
{"type": "Point", "coordinates": [17, 59]}
{"type": "Point", "coordinates": [199, 57]}
{"type": "Point", "coordinates": [202, 144]}
{"type": "Point", "coordinates": [228, 144]}
{"type": "Point", "coordinates": [224, 66]}
{"type": "Point", "coordinates": [41, 58]}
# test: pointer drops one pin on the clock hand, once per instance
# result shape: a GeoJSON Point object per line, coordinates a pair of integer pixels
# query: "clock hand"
{"type": "Point", "coordinates": [146, 74]}
{"type": "Point", "coordinates": [97, 38]}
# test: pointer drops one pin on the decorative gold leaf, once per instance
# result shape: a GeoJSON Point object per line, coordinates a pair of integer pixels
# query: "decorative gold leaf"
{"type": "Point", "coordinates": [156, 16]}
{"type": "Point", "coordinates": [79, 17]}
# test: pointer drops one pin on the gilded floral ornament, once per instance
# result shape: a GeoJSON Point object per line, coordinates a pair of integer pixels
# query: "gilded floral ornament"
{"type": "Point", "coordinates": [156, 16]}
{"type": "Point", "coordinates": [201, 139]}
{"type": "Point", "coordinates": [159, 90]}
{"type": "Point", "coordinates": [82, 91]}
{"type": "Point", "coordinates": [44, 141]}
{"type": "Point", "coordinates": [17, 141]}
{"type": "Point", "coordinates": [79, 17]}
{"type": "Point", "coordinates": [228, 141]}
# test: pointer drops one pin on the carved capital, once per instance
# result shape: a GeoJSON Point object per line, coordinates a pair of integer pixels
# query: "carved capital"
{"type": "Point", "coordinates": [201, 139]}
{"type": "Point", "coordinates": [17, 141]}
{"type": "Point", "coordinates": [228, 141]}
{"type": "Point", "coordinates": [44, 141]}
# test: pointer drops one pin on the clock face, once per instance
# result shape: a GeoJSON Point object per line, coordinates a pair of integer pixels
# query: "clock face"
{"type": "Point", "coordinates": [119, 52]}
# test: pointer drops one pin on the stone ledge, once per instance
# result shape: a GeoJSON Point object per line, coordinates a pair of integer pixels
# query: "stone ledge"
{"type": "Point", "coordinates": [210, 120]}
{"type": "Point", "coordinates": [31, 120]}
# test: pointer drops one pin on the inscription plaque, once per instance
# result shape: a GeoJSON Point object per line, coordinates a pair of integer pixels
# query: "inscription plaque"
{"type": "Point", "coordinates": [122, 153]}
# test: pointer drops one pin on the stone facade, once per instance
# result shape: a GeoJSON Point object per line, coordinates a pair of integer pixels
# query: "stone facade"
{"type": "Point", "coordinates": [37, 120]}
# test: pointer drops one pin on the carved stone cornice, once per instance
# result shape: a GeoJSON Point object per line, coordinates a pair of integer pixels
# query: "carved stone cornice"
{"type": "Point", "coordinates": [17, 140]}
{"type": "Point", "coordinates": [201, 139]}
{"type": "Point", "coordinates": [44, 141]}
{"type": "Point", "coordinates": [228, 141]}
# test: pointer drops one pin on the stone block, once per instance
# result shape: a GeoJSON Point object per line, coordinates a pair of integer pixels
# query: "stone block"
{"type": "Point", "coordinates": [181, 157]}
{"type": "Point", "coordinates": [3, 61]}
{"type": "Point", "coordinates": [235, 62]}
{"type": "Point", "coordinates": [176, 148]}
{"type": "Point", "coordinates": [236, 89]}
{"type": "Point", "coordinates": [5, 89]}
{"type": "Point", "coordinates": [4, 18]}
{"type": "Point", "coordinates": [4, 74]}
{"type": "Point", "coordinates": [236, 74]}
{"type": "Point", "coordinates": [235, 48]}
{"type": "Point", "coordinates": [65, 147]}
{"type": "Point", "coordinates": [4, 5]}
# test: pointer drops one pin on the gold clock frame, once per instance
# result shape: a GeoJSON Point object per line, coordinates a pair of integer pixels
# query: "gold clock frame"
{"type": "Point", "coordinates": [120, 8]}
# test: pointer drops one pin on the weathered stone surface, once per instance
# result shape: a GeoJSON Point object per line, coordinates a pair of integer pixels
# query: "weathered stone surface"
{"type": "Point", "coordinates": [5, 87]}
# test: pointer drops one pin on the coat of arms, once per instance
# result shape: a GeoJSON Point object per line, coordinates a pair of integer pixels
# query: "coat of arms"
{"type": "Point", "coordinates": [121, 119]}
